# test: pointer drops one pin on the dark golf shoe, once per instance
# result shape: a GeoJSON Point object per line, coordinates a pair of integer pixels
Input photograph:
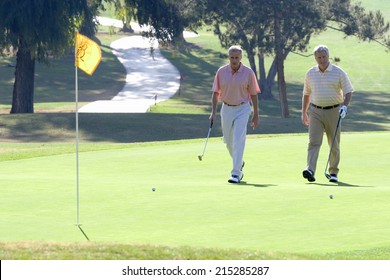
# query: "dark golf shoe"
{"type": "Point", "coordinates": [309, 175]}
{"type": "Point", "coordinates": [333, 178]}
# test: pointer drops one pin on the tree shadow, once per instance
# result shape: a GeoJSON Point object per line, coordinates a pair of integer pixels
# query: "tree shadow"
{"type": "Point", "coordinates": [368, 111]}
{"type": "Point", "coordinates": [130, 128]}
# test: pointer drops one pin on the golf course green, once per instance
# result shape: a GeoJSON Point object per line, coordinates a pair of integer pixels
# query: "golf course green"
{"type": "Point", "coordinates": [273, 209]}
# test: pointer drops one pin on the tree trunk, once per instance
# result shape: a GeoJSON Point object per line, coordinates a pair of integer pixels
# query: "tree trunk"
{"type": "Point", "coordinates": [271, 77]}
{"type": "Point", "coordinates": [282, 88]}
{"type": "Point", "coordinates": [252, 61]}
{"type": "Point", "coordinates": [266, 89]}
{"type": "Point", "coordinates": [23, 92]}
{"type": "Point", "coordinates": [263, 75]}
{"type": "Point", "coordinates": [280, 66]}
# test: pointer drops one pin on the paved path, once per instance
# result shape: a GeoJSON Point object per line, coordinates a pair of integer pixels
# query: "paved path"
{"type": "Point", "coordinates": [150, 77]}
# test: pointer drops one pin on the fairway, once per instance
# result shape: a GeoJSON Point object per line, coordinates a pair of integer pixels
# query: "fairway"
{"type": "Point", "coordinates": [274, 209]}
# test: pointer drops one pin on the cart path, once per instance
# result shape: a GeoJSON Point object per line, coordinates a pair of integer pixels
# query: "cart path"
{"type": "Point", "coordinates": [150, 78]}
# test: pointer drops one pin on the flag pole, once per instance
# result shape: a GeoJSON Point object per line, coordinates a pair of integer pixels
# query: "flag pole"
{"type": "Point", "coordinates": [77, 150]}
{"type": "Point", "coordinates": [77, 146]}
{"type": "Point", "coordinates": [87, 57]}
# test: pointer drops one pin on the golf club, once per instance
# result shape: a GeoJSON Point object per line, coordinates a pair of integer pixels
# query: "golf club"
{"type": "Point", "coordinates": [331, 147]}
{"type": "Point", "coordinates": [207, 139]}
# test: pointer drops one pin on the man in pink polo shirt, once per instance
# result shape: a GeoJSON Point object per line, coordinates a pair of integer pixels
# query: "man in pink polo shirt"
{"type": "Point", "coordinates": [327, 91]}
{"type": "Point", "coordinates": [236, 86]}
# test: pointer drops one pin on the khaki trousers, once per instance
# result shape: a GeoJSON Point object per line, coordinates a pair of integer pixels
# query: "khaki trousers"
{"type": "Point", "coordinates": [321, 121]}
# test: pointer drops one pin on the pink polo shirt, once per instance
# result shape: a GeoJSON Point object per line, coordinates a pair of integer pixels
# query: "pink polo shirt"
{"type": "Point", "coordinates": [235, 88]}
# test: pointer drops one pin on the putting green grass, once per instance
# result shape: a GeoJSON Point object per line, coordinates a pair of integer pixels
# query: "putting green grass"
{"type": "Point", "coordinates": [274, 209]}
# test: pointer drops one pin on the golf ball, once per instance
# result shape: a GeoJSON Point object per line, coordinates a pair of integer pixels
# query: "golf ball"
{"type": "Point", "coordinates": [153, 189]}
{"type": "Point", "coordinates": [331, 196]}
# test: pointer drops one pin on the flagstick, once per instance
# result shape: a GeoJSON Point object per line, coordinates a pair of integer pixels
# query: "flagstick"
{"type": "Point", "coordinates": [91, 60]}
{"type": "Point", "coordinates": [77, 152]}
{"type": "Point", "coordinates": [77, 148]}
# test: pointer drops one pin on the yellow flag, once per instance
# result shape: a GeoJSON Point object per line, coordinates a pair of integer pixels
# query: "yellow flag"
{"type": "Point", "coordinates": [88, 54]}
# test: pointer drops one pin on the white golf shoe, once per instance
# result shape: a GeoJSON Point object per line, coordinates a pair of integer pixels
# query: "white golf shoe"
{"type": "Point", "coordinates": [235, 179]}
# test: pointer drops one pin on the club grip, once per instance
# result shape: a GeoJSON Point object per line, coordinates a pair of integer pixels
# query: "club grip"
{"type": "Point", "coordinates": [211, 123]}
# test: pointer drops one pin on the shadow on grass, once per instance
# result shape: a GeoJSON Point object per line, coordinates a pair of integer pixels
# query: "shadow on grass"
{"type": "Point", "coordinates": [246, 184]}
{"type": "Point", "coordinates": [55, 82]}
{"type": "Point", "coordinates": [340, 184]}
{"type": "Point", "coordinates": [141, 127]}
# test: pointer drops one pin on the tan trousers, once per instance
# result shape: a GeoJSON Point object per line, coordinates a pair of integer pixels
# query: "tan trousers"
{"type": "Point", "coordinates": [321, 120]}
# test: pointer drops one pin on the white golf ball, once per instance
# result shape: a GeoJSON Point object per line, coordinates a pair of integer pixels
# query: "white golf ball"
{"type": "Point", "coordinates": [153, 189]}
{"type": "Point", "coordinates": [331, 196]}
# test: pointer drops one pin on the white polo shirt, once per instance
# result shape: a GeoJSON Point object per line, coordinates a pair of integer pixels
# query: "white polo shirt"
{"type": "Point", "coordinates": [326, 88]}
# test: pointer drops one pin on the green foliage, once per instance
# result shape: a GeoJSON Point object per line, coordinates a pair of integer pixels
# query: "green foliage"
{"type": "Point", "coordinates": [168, 18]}
{"type": "Point", "coordinates": [372, 27]}
{"type": "Point", "coordinates": [46, 27]}
{"type": "Point", "coordinates": [125, 12]}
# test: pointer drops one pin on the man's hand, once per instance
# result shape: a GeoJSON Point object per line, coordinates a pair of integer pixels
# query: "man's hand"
{"type": "Point", "coordinates": [343, 111]}
{"type": "Point", "coordinates": [212, 117]}
{"type": "Point", "coordinates": [305, 118]}
{"type": "Point", "coordinates": [255, 121]}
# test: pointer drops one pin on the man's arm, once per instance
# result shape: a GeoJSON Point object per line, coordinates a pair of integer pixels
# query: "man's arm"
{"type": "Point", "coordinates": [305, 107]}
{"type": "Point", "coordinates": [214, 102]}
{"type": "Point", "coordinates": [255, 117]}
{"type": "Point", "coordinates": [344, 107]}
{"type": "Point", "coordinates": [347, 98]}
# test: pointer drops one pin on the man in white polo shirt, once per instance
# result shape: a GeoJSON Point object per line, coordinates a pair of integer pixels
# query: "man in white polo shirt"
{"type": "Point", "coordinates": [236, 86]}
{"type": "Point", "coordinates": [327, 91]}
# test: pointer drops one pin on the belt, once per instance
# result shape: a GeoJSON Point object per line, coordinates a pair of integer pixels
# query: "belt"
{"type": "Point", "coordinates": [326, 107]}
{"type": "Point", "coordinates": [231, 105]}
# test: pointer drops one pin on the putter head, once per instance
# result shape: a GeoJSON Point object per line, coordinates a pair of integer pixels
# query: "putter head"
{"type": "Point", "coordinates": [327, 175]}
{"type": "Point", "coordinates": [200, 157]}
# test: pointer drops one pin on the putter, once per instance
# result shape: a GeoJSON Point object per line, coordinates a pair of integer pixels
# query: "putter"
{"type": "Point", "coordinates": [200, 157]}
{"type": "Point", "coordinates": [331, 147]}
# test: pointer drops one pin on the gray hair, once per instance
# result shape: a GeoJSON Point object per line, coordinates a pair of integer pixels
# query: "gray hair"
{"type": "Point", "coordinates": [235, 49]}
{"type": "Point", "coordinates": [321, 48]}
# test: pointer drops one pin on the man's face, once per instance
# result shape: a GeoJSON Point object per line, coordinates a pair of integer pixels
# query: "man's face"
{"type": "Point", "coordinates": [322, 59]}
{"type": "Point", "coordinates": [235, 58]}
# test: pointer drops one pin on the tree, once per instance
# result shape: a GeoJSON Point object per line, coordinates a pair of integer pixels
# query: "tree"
{"type": "Point", "coordinates": [125, 12]}
{"type": "Point", "coordinates": [168, 18]}
{"type": "Point", "coordinates": [354, 20]}
{"type": "Point", "coordinates": [265, 28]}
{"type": "Point", "coordinates": [278, 17]}
{"type": "Point", "coordinates": [37, 29]}
{"type": "Point", "coordinates": [245, 26]}
{"type": "Point", "coordinates": [294, 23]}
{"type": "Point", "coordinates": [277, 27]}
